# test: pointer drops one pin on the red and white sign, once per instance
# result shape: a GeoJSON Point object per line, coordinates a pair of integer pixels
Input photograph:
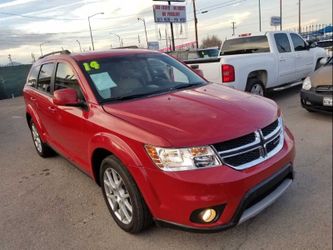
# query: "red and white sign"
{"type": "Point", "coordinates": [169, 13]}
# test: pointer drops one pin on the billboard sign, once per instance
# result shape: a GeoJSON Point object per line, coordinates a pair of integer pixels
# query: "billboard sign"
{"type": "Point", "coordinates": [169, 13]}
{"type": "Point", "coordinates": [153, 45]}
{"type": "Point", "coordinates": [275, 21]}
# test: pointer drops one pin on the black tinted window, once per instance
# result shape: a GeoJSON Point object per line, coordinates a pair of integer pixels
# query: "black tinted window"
{"type": "Point", "coordinates": [245, 45]}
{"type": "Point", "coordinates": [32, 79]}
{"type": "Point", "coordinates": [65, 78]}
{"type": "Point", "coordinates": [282, 43]}
{"type": "Point", "coordinates": [299, 43]}
{"type": "Point", "coordinates": [44, 79]}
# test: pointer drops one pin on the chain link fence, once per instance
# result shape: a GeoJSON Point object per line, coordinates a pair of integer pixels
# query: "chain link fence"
{"type": "Point", "coordinates": [12, 80]}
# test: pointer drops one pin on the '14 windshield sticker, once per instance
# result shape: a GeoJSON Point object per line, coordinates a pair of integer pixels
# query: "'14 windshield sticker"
{"type": "Point", "coordinates": [88, 66]}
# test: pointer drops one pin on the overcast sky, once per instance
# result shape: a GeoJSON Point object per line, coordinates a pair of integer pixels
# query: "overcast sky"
{"type": "Point", "coordinates": [25, 24]}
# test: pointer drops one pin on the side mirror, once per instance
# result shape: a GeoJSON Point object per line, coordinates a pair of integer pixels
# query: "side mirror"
{"type": "Point", "coordinates": [312, 44]}
{"type": "Point", "coordinates": [323, 61]}
{"type": "Point", "coordinates": [65, 97]}
{"type": "Point", "coordinates": [196, 69]}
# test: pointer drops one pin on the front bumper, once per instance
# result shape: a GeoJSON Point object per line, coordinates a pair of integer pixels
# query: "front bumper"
{"type": "Point", "coordinates": [254, 201]}
{"type": "Point", "coordinates": [175, 195]}
{"type": "Point", "coordinates": [313, 100]}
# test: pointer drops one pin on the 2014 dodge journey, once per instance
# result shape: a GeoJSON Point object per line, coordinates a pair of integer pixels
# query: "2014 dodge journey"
{"type": "Point", "coordinates": [164, 144]}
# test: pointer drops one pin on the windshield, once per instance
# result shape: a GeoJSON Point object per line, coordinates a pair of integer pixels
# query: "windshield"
{"type": "Point", "coordinates": [131, 76]}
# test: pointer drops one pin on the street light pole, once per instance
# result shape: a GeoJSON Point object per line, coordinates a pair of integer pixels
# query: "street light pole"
{"type": "Point", "coordinates": [91, 35]}
{"type": "Point", "coordinates": [120, 40]}
{"type": "Point", "coordinates": [79, 45]}
{"type": "Point", "coordinates": [280, 14]}
{"type": "Point", "coordinates": [144, 24]}
{"type": "Point", "coordinates": [40, 47]}
{"type": "Point", "coordinates": [259, 16]}
{"type": "Point", "coordinates": [195, 24]}
{"type": "Point", "coordinates": [299, 17]}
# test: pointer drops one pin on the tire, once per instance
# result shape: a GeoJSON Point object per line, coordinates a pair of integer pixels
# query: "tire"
{"type": "Point", "coordinates": [121, 194]}
{"type": "Point", "coordinates": [42, 148]}
{"type": "Point", "coordinates": [255, 86]}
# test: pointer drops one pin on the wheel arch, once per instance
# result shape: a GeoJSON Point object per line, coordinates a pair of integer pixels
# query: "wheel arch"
{"type": "Point", "coordinates": [31, 115]}
{"type": "Point", "coordinates": [258, 74]}
{"type": "Point", "coordinates": [103, 145]}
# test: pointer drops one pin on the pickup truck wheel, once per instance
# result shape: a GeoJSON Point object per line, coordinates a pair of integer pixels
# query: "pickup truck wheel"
{"type": "Point", "coordinates": [42, 148]}
{"type": "Point", "coordinates": [123, 197]}
{"type": "Point", "coordinates": [255, 87]}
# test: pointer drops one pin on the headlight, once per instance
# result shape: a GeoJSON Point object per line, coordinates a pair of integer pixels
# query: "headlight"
{"type": "Point", "coordinates": [179, 159]}
{"type": "Point", "coordinates": [307, 84]}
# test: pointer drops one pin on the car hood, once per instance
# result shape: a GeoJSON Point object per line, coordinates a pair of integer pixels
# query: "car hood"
{"type": "Point", "coordinates": [322, 76]}
{"type": "Point", "coordinates": [197, 116]}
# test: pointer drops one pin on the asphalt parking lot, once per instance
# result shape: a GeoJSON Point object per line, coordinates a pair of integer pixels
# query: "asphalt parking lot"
{"type": "Point", "coordinates": [49, 204]}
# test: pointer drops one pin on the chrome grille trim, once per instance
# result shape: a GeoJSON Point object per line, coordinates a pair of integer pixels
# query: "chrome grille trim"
{"type": "Point", "coordinates": [260, 143]}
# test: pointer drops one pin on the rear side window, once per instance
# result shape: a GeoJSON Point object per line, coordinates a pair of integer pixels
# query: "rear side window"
{"type": "Point", "coordinates": [245, 45]}
{"type": "Point", "coordinates": [65, 78]}
{"type": "Point", "coordinates": [282, 43]}
{"type": "Point", "coordinates": [32, 78]}
{"type": "Point", "coordinates": [299, 43]}
{"type": "Point", "coordinates": [45, 76]}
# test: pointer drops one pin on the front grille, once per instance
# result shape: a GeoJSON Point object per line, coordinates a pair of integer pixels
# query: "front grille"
{"type": "Point", "coordinates": [325, 89]}
{"type": "Point", "coordinates": [270, 128]}
{"type": "Point", "coordinates": [251, 149]}
{"type": "Point", "coordinates": [272, 145]}
{"type": "Point", "coordinates": [241, 159]}
{"type": "Point", "coordinates": [235, 143]}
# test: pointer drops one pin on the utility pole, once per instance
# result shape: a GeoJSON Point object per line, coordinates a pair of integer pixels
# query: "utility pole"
{"type": "Point", "coordinates": [259, 16]}
{"type": "Point", "coordinates": [195, 24]}
{"type": "Point", "coordinates": [172, 35]}
{"type": "Point", "coordinates": [299, 16]}
{"type": "Point", "coordinates": [280, 14]}
{"type": "Point", "coordinates": [233, 28]}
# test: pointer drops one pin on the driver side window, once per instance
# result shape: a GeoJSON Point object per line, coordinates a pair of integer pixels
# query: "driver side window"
{"type": "Point", "coordinates": [65, 78]}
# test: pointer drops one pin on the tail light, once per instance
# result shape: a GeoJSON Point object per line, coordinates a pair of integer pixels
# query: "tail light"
{"type": "Point", "coordinates": [228, 73]}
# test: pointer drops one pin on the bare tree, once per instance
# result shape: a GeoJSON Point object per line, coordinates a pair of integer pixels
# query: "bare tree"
{"type": "Point", "coordinates": [211, 41]}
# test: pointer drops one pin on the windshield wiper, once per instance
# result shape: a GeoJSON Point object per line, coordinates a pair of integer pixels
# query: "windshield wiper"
{"type": "Point", "coordinates": [128, 97]}
{"type": "Point", "coordinates": [184, 86]}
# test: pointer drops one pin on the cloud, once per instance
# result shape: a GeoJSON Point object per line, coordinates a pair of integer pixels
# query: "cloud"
{"type": "Point", "coordinates": [15, 3]}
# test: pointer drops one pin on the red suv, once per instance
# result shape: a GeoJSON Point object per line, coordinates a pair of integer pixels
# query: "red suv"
{"type": "Point", "coordinates": [164, 144]}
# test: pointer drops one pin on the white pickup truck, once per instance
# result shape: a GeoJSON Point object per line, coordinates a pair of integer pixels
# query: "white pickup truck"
{"type": "Point", "coordinates": [257, 63]}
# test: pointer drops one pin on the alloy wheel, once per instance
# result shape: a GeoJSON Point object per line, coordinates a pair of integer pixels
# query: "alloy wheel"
{"type": "Point", "coordinates": [257, 89]}
{"type": "Point", "coordinates": [118, 196]}
{"type": "Point", "coordinates": [36, 138]}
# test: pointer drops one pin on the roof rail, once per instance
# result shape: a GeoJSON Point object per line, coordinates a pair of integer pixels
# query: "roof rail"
{"type": "Point", "coordinates": [62, 52]}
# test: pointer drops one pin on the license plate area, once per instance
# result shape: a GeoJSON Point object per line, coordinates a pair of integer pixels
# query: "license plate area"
{"type": "Point", "coordinates": [328, 101]}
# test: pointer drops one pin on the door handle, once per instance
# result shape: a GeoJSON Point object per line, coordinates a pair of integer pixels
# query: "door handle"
{"type": "Point", "coordinates": [33, 99]}
{"type": "Point", "coordinates": [283, 59]}
{"type": "Point", "coordinates": [52, 109]}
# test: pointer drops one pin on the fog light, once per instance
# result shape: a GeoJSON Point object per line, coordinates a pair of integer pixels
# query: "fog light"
{"type": "Point", "coordinates": [208, 215]}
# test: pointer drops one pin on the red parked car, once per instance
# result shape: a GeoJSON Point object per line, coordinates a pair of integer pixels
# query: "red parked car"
{"type": "Point", "coordinates": [164, 144]}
